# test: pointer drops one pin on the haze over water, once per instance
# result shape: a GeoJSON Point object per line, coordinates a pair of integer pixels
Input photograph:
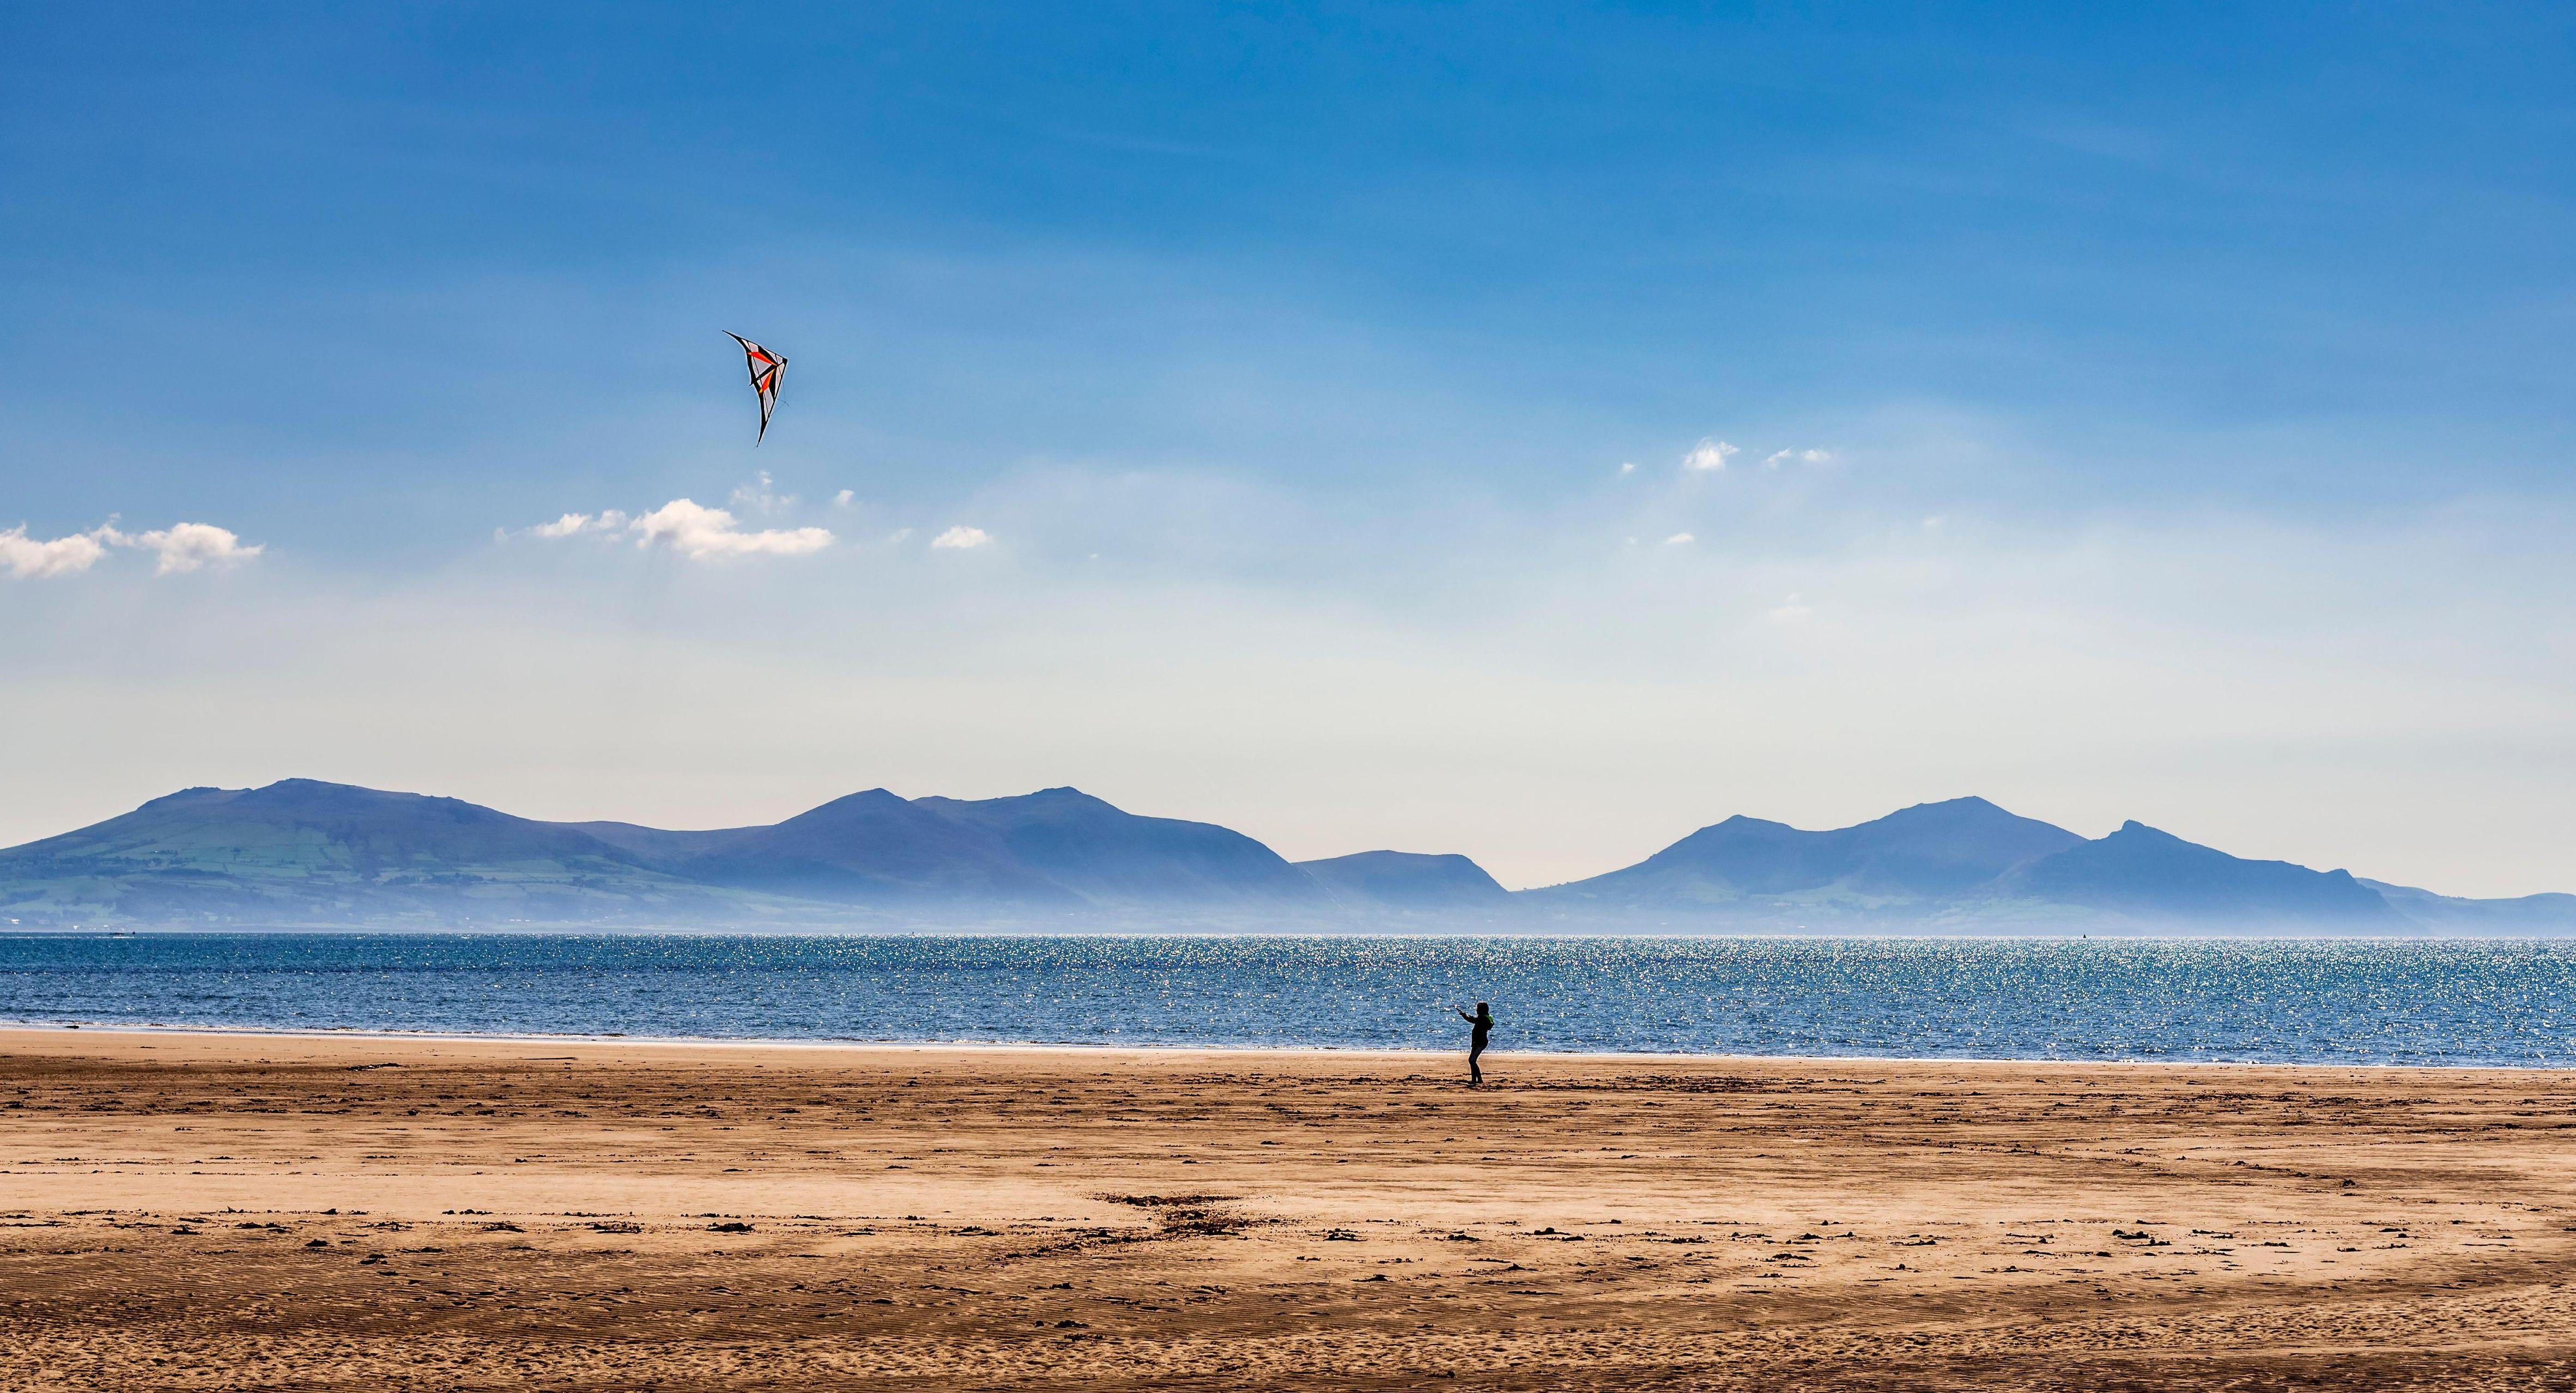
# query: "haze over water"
{"type": "Point", "coordinates": [2290, 1001]}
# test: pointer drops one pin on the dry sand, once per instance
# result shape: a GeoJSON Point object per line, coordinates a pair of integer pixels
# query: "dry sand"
{"type": "Point", "coordinates": [203, 1211]}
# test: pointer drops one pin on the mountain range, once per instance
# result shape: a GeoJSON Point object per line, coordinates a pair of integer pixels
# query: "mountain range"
{"type": "Point", "coordinates": [302, 853]}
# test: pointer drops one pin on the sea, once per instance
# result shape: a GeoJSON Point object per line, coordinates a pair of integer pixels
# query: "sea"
{"type": "Point", "coordinates": [2477, 1002]}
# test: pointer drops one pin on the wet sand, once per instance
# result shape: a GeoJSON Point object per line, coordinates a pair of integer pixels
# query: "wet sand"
{"type": "Point", "coordinates": [203, 1211]}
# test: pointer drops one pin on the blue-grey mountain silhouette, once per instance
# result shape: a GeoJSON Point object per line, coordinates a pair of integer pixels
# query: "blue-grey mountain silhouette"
{"type": "Point", "coordinates": [2546, 913]}
{"type": "Point", "coordinates": [304, 851]}
{"type": "Point", "coordinates": [309, 854]}
{"type": "Point", "coordinates": [867, 848]}
{"type": "Point", "coordinates": [2146, 874]}
{"type": "Point", "coordinates": [1114, 857]}
{"type": "Point", "coordinates": [1929, 852]}
{"type": "Point", "coordinates": [1408, 880]}
{"type": "Point", "coordinates": [301, 853]}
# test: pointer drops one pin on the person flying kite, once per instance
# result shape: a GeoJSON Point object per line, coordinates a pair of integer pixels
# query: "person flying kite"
{"type": "Point", "coordinates": [765, 368]}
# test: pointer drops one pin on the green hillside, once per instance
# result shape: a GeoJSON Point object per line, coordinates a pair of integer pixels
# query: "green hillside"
{"type": "Point", "coordinates": [303, 852]}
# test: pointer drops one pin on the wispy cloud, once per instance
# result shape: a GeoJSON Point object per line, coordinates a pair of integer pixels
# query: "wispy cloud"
{"type": "Point", "coordinates": [1781, 457]}
{"type": "Point", "coordinates": [962, 537]}
{"type": "Point", "coordinates": [1709, 455]}
{"type": "Point", "coordinates": [180, 547]}
{"type": "Point", "coordinates": [575, 524]}
{"type": "Point", "coordinates": [1792, 611]}
{"type": "Point", "coordinates": [759, 497]}
{"type": "Point", "coordinates": [1680, 539]}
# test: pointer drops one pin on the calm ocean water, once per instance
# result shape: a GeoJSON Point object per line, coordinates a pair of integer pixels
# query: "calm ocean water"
{"type": "Point", "coordinates": [2341, 1001]}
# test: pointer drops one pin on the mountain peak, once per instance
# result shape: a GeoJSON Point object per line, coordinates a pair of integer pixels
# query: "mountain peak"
{"type": "Point", "coordinates": [1063, 794]}
{"type": "Point", "coordinates": [2147, 873]}
{"type": "Point", "coordinates": [1971, 804]}
{"type": "Point", "coordinates": [1111, 855]}
{"type": "Point", "coordinates": [866, 797]}
{"type": "Point", "coordinates": [191, 795]}
{"type": "Point", "coordinates": [323, 796]}
{"type": "Point", "coordinates": [1926, 852]}
{"type": "Point", "coordinates": [1061, 801]}
{"type": "Point", "coordinates": [307, 788]}
{"type": "Point", "coordinates": [1408, 880]}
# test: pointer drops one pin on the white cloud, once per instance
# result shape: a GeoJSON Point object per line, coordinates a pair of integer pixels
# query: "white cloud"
{"type": "Point", "coordinates": [899, 534]}
{"type": "Point", "coordinates": [569, 525]}
{"type": "Point", "coordinates": [580, 524]}
{"type": "Point", "coordinates": [183, 546]}
{"type": "Point", "coordinates": [844, 498]}
{"type": "Point", "coordinates": [689, 528]}
{"type": "Point", "coordinates": [702, 533]}
{"type": "Point", "coordinates": [1629, 467]}
{"type": "Point", "coordinates": [1782, 457]}
{"type": "Point", "coordinates": [1680, 539]}
{"type": "Point", "coordinates": [1791, 611]}
{"type": "Point", "coordinates": [27, 558]}
{"type": "Point", "coordinates": [1709, 455]}
{"type": "Point", "coordinates": [188, 546]}
{"type": "Point", "coordinates": [962, 537]}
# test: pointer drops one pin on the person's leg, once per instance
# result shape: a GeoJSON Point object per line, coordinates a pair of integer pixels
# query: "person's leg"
{"type": "Point", "coordinates": [1475, 1066]}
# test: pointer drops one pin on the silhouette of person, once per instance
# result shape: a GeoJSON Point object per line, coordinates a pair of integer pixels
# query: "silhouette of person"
{"type": "Point", "coordinates": [1483, 1021]}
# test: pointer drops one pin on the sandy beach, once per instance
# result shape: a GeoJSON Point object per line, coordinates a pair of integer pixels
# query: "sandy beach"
{"type": "Point", "coordinates": [222, 1212]}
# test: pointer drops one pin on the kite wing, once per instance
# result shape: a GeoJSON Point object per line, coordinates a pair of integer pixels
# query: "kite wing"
{"type": "Point", "coordinates": [765, 368]}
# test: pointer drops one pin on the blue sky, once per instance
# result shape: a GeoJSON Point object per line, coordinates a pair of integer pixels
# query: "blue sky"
{"type": "Point", "coordinates": [2159, 414]}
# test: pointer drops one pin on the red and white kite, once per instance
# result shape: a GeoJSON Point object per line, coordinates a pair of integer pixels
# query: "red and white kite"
{"type": "Point", "coordinates": [765, 368]}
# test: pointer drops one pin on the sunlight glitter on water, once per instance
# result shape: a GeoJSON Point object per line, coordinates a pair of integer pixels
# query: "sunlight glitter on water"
{"type": "Point", "coordinates": [2391, 1002]}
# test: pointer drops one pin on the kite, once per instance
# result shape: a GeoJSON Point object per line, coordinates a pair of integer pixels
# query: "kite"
{"type": "Point", "coordinates": [765, 368]}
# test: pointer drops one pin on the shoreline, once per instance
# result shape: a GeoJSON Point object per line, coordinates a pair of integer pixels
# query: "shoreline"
{"type": "Point", "coordinates": [1495, 1058]}
{"type": "Point", "coordinates": [238, 1212]}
